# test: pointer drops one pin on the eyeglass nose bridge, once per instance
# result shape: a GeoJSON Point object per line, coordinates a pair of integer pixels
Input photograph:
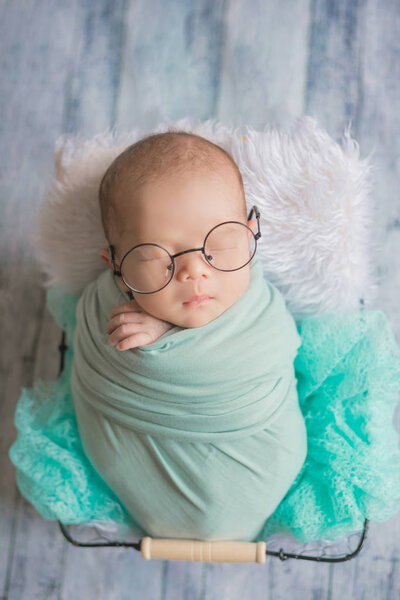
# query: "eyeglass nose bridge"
{"type": "Point", "coordinates": [173, 256]}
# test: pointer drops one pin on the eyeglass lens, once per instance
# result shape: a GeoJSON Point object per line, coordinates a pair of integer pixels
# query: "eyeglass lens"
{"type": "Point", "coordinates": [228, 247]}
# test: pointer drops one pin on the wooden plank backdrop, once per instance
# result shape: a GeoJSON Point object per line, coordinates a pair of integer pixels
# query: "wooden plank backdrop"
{"type": "Point", "coordinates": [88, 65]}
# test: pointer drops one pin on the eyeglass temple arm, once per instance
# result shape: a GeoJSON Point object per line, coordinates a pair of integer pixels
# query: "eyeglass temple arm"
{"type": "Point", "coordinates": [111, 253]}
{"type": "Point", "coordinates": [255, 210]}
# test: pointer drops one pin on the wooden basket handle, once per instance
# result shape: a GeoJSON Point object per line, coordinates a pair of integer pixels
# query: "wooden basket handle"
{"type": "Point", "coordinates": [203, 550]}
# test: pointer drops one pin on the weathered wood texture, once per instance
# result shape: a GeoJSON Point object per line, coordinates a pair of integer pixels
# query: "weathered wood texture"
{"type": "Point", "coordinates": [88, 65]}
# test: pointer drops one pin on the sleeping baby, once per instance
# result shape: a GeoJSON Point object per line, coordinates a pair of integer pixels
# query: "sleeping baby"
{"type": "Point", "coordinates": [196, 426]}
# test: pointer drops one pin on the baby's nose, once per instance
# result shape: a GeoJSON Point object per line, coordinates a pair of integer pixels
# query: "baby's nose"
{"type": "Point", "coordinates": [191, 265]}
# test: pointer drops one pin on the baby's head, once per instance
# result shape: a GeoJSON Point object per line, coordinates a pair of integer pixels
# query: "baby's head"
{"type": "Point", "coordinates": [170, 190]}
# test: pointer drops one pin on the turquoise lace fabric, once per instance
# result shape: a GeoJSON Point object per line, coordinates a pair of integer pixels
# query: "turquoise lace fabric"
{"type": "Point", "coordinates": [348, 381]}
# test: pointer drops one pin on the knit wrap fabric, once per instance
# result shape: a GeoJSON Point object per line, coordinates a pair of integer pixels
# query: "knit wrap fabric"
{"type": "Point", "coordinates": [227, 387]}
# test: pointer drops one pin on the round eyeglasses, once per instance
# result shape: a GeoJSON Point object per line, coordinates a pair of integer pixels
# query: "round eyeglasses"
{"type": "Point", "coordinates": [148, 268]}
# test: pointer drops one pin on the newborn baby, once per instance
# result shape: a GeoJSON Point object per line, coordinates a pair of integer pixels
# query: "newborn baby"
{"type": "Point", "coordinates": [197, 429]}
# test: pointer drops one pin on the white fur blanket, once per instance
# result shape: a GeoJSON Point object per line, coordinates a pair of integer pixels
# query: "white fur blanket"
{"type": "Point", "coordinates": [313, 195]}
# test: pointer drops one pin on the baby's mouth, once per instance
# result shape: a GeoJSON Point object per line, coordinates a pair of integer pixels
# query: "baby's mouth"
{"type": "Point", "coordinates": [196, 300]}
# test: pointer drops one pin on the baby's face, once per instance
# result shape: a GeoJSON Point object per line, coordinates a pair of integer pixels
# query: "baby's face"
{"type": "Point", "coordinates": [177, 213]}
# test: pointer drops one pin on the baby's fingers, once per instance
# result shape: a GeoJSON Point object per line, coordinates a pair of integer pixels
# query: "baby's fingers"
{"type": "Point", "coordinates": [122, 319]}
{"type": "Point", "coordinates": [135, 340]}
{"type": "Point", "coordinates": [129, 335]}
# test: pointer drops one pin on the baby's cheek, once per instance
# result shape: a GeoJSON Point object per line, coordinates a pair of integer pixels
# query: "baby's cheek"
{"type": "Point", "coordinates": [148, 304]}
{"type": "Point", "coordinates": [161, 313]}
{"type": "Point", "coordinates": [203, 315]}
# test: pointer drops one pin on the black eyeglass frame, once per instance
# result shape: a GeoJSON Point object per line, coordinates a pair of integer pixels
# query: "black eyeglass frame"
{"type": "Point", "coordinates": [173, 256]}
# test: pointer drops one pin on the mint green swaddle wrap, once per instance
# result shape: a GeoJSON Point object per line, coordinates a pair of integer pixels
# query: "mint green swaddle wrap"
{"type": "Point", "coordinates": [199, 434]}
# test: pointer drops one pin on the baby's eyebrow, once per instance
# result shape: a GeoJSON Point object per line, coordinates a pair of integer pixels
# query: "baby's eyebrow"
{"type": "Point", "coordinates": [166, 243]}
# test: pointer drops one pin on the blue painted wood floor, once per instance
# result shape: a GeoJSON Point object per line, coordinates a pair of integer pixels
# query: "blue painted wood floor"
{"type": "Point", "coordinates": [83, 66]}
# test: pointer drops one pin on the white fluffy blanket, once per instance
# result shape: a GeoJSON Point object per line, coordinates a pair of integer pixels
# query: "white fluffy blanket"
{"type": "Point", "coordinates": [313, 195]}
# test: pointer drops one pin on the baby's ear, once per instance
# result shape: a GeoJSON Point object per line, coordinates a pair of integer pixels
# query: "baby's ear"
{"type": "Point", "coordinates": [253, 225]}
{"type": "Point", "coordinates": [104, 255]}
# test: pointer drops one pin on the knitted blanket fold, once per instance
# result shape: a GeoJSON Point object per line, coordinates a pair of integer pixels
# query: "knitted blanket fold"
{"type": "Point", "coordinates": [227, 387]}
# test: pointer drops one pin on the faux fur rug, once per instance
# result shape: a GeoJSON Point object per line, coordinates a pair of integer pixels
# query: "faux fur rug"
{"type": "Point", "coordinates": [313, 195]}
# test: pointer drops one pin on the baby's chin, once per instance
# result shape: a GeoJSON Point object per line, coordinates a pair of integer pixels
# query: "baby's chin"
{"type": "Point", "coordinates": [198, 316]}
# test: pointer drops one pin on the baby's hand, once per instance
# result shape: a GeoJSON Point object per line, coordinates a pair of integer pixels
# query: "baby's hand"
{"type": "Point", "coordinates": [130, 326]}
